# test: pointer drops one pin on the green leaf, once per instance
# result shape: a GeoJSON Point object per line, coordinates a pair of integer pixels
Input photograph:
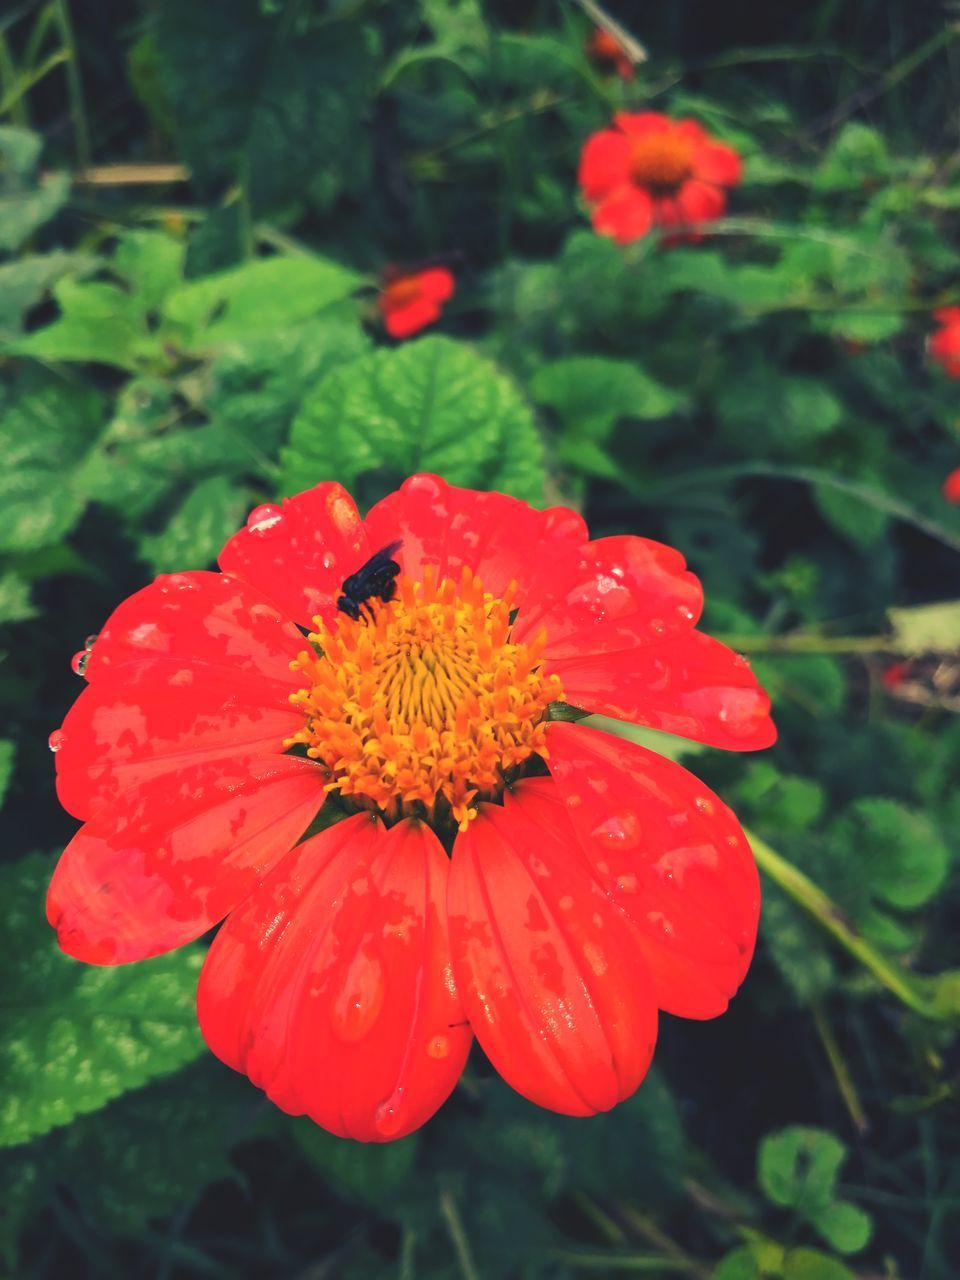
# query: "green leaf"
{"type": "Point", "coordinates": [906, 858]}
{"type": "Point", "coordinates": [43, 435]}
{"type": "Point", "coordinates": [99, 322]}
{"type": "Point", "coordinates": [926, 628]}
{"type": "Point", "coordinates": [15, 602]}
{"type": "Point", "coordinates": [365, 1171]}
{"type": "Point", "coordinates": [260, 100]}
{"type": "Point", "coordinates": [198, 529]}
{"type": "Point", "coordinates": [152, 264]}
{"type": "Point", "coordinates": [75, 1035]}
{"type": "Point", "coordinates": [256, 299]}
{"type": "Point", "coordinates": [26, 201]}
{"type": "Point", "coordinates": [778, 800]}
{"type": "Point", "coordinates": [855, 157]}
{"type": "Point", "coordinates": [797, 1168]}
{"type": "Point", "coordinates": [430, 405]}
{"type": "Point", "coordinates": [770, 413]}
{"type": "Point", "coordinates": [24, 282]}
{"type": "Point", "coordinates": [591, 393]}
{"type": "Point", "coordinates": [860, 524]}
{"type": "Point", "coordinates": [795, 945]}
{"type": "Point", "coordinates": [158, 1147]}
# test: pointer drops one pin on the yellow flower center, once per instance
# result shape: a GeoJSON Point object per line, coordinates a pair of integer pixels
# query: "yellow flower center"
{"type": "Point", "coordinates": [660, 160]}
{"type": "Point", "coordinates": [428, 707]}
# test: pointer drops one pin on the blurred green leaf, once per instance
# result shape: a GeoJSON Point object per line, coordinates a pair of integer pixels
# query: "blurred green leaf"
{"type": "Point", "coordinates": [906, 858]}
{"type": "Point", "coordinates": [368, 1171]}
{"type": "Point", "coordinates": [797, 1168]}
{"type": "Point", "coordinates": [7, 752]}
{"type": "Point", "coordinates": [27, 200]}
{"type": "Point", "coordinates": [198, 529]}
{"type": "Point", "coordinates": [76, 1035]}
{"type": "Point", "coordinates": [430, 405]}
{"type": "Point", "coordinates": [591, 393]}
{"type": "Point", "coordinates": [15, 602]}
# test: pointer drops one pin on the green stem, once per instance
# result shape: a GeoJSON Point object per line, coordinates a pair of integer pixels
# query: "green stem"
{"type": "Point", "coordinates": [78, 111]}
{"type": "Point", "coordinates": [816, 903]}
{"type": "Point", "coordinates": [458, 1236]}
{"type": "Point", "coordinates": [838, 1065]}
{"type": "Point", "coordinates": [799, 642]}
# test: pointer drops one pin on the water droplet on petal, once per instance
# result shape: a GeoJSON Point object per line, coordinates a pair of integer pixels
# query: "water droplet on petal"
{"type": "Point", "coordinates": [262, 519]}
{"type": "Point", "coordinates": [78, 663]}
{"type": "Point", "coordinates": [90, 641]}
{"type": "Point", "coordinates": [438, 1047]}
{"type": "Point", "coordinates": [704, 804]}
{"type": "Point", "coordinates": [329, 559]}
{"type": "Point", "coordinates": [657, 626]}
{"type": "Point", "coordinates": [685, 612]}
{"type": "Point", "coordinates": [56, 740]}
{"type": "Point", "coordinates": [620, 831]}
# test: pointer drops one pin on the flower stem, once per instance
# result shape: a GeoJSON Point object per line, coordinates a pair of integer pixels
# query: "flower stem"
{"type": "Point", "coordinates": [458, 1236]}
{"type": "Point", "coordinates": [807, 642]}
{"type": "Point", "coordinates": [909, 989]}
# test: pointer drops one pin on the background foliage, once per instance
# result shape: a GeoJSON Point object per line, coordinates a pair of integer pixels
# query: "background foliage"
{"type": "Point", "coordinates": [175, 350]}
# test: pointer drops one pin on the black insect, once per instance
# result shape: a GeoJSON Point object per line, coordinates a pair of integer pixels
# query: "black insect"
{"type": "Point", "coordinates": [373, 581]}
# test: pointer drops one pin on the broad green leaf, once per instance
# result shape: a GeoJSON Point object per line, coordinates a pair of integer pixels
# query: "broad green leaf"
{"type": "Point", "coordinates": [778, 800]}
{"type": "Point", "coordinates": [770, 413]}
{"type": "Point", "coordinates": [198, 529]}
{"type": "Point", "coordinates": [796, 947]}
{"type": "Point", "coordinates": [44, 433]}
{"type": "Point", "coordinates": [591, 393]}
{"type": "Point", "coordinates": [860, 524]}
{"type": "Point", "coordinates": [811, 1264]}
{"type": "Point", "coordinates": [26, 200]}
{"type": "Point", "coordinates": [99, 322]}
{"type": "Point", "coordinates": [797, 1168]}
{"type": "Point", "coordinates": [366, 1171]}
{"type": "Point", "coordinates": [256, 299]}
{"type": "Point", "coordinates": [158, 1147]}
{"type": "Point", "coordinates": [855, 157]}
{"type": "Point", "coordinates": [24, 282]}
{"type": "Point", "coordinates": [76, 1035]}
{"type": "Point", "coordinates": [906, 858]}
{"type": "Point", "coordinates": [152, 264]}
{"type": "Point", "coordinates": [15, 602]}
{"type": "Point", "coordinates": [274, 105]}
{"type": "Point", "coordinates": [926, 628]}
{"type": "Point", "coordinates": [430, 405]}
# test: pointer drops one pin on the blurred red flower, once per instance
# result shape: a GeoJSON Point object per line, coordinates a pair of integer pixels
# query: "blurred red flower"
{"type": "Point", "coordinates": [538, 883]}
{"type": "Point", "coordinates": [603, 47]}
{"type": "Point", "coordinates": [951, 486]}
{"type": "Point", "coordinates": [650, 171]}
{"type": "Point", "coordinates": [408, 303]}
{"type": "Point", "coordinates": [944, 345]}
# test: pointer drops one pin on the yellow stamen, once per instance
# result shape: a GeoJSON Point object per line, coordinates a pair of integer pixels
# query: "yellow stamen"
{"type": "Point", "coordinates": [429, 706]}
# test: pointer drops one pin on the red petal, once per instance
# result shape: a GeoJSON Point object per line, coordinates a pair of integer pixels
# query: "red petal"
{"type": "Point", "coordinates": [671, 855]}
{"type": "Point", "coordinates": [298, 554]}
{"type": "Point", "coordinates": [604, 164]}
{"type": "Point", "coordinates": [198, 618]}
{"type": "Point", "coordinates": [331, 986]}
{"type": "Point", "coordinates": [948, 315]}
{"type": "Point", "coordinates": [951, 486]}
{"type": "Point", "coordinates": [437, 283]}
{"type": "Point", "coordinates": [145, 719]}
{"type": "Point", "coordinates": [626, 215]}
{"type": "Point", "coordinates": [171, 858]}
{"type": "Point", "coordinates": [405, 321]}
{"type": "Point", "coordinates": [700, 202]}
{"type": "Point", "coordinates": [714, 162]}
{"type": "Point", "coordinates": [550, 973]}
{"type": "Point", "coordinates": [622, 591]}
{"type": "Point", "coordinates": [691, 132]}
{"type": "Point", "coordinates": [639, 124]}
{"type": "Point", "coordinates": [691, 685]}
{"type": "Point", "coordinates": [500, 538]}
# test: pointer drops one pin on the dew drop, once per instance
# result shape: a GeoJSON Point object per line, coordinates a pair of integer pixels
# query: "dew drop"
{"type": "Point", "coordinates": [56, 740]}
{"type": "Point", "coordinates": [739, 660]}
{"type": "Point", "coordinates": [262, 519]}
{"type": "Point", "coordinates": [657, 626]}
{"type": "Point", "coordinates": [78, 663]}
{"type": "Point", "coordinates": [685, 612]}
{"type": "Point", "coordinates": [438, 1047]}
{"type": "Point", "coordinates": [329, 559]}
{"type": "Point", "coordinates": [704, 804]}
{"type": "Point", "coordinates": [90, 641]}
{"type": "Point", "coordinates": [620, 831]}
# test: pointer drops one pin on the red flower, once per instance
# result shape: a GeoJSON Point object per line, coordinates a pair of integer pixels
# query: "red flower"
{"type": "Point", "coordinates": [894, 675]}
{"type": "Point", "coordinates": [603, 47]}
{"type": "Point", "coordinates": [944, 345]}
{"type": "Point", "coordinates": [653, 171]}
{"type": "Point", "coordinates": [951, 486]}
{"type": "Point", "coordinates": [470, 891]}
{"type": "Point", "coordinates": [408, 303]}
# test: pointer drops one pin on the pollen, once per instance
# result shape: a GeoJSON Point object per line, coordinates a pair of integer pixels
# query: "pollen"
{"type": "Point", "coordinates": [660, 160]}
{"type": "Point", "coordinates": [426, 707]}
